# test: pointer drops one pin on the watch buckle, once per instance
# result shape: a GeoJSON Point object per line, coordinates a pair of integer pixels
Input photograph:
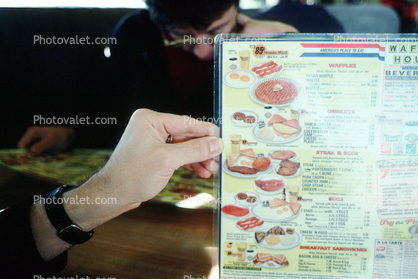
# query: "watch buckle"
{"type": "Point", "coordinates": [68, 228]}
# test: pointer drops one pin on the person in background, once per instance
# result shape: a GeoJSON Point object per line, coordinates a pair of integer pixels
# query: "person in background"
{"type": "Point", "coordinates": [407, 11]}
{"type": "Point", "coordinates": [154, 65]}
{"type": "Point", "coordinates": [306, 18]}
{"type": "Point", "coordinates": [150, 149]}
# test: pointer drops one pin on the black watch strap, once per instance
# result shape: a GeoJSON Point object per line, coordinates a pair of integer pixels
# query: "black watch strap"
{"type": "Point", "coordinates": [66, 229]}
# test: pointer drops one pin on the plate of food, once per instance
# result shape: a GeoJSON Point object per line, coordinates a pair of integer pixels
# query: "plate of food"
{"type": "Point", "coordinates": [250, 224]}
{"type": "Point", "coordinates": [276, 210]}
{"type": "Point", "coordinates": [267, 69]}
{"type": "Point", "coordinates": [277, 92]}
{"type": "Point", "coordinates": [277, 238]}
{"type": "Point", "coordinates": [270, 184]}
{"type": "Point", "coordinates": [270, 261]}
{"type": "Point", "coordinates": [246, 164]}
{"type": "Point", "coordinates": [244, 118]}
{"type": "Point", "coordinates": [288, 168]}
{"type": "Point", "coordinates": [247, 198]}
{"type": "Point", "coordinates": [234, 211]}
{"type": "Point", "coordinates": [278, 130]}
{"type": "Point", "coordinates": [413, 230]}
{"type": "Point", "coordinates": [239, 78]}
{"type": "Point", "coordinates": [279, 155]}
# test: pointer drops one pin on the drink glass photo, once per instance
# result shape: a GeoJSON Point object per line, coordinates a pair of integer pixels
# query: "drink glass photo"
{"type": "Point", "coordinates": [235, 143]}
{"type": "Point", "coordinates": [293, 192]}
{"type": "Point", "coordinates": [244, 59]}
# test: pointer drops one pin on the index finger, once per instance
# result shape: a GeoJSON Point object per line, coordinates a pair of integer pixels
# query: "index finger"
{"type": "Point", "coordinates": [186, 126]}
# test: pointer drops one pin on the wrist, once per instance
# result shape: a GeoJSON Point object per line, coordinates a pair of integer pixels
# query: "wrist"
{"type": "Point", "coordinates": [67, 230]}
{"type": "Point", "coordinates": [94, 203]}
{"type": "Point", "coordinates": [47, 242]}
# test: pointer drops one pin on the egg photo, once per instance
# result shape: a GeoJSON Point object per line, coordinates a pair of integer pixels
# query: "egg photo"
{"type": "Point", "coordinates": [239, 79]}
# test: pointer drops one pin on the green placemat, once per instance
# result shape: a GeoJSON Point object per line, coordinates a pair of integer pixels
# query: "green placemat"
{"type": "Point", "coordinates": [77, 166]}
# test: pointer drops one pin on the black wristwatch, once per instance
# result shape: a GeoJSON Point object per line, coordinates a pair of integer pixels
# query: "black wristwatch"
{"type": "Point", "coordinates": [66, 229]}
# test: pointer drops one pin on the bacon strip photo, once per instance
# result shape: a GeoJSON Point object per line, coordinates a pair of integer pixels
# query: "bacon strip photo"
{"type": "Point", "coordinates": [267, 68]}
{"type": "Point", "coordinates": [250, 223]}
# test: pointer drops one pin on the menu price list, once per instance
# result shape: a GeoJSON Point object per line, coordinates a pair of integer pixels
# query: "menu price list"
{"type": "Point", "coordinates": [333, 260]}
{"type": "Point", "coordinates": [400, 97]}
{"type": "Point", "coordinates": [395, 259]}
{"type": "Point", "coordinates": [342, 82]}
{"type": "Point", "coordinates": [341, 127]}
{"type": "Point", "coordinates": [344, 238]}
{"type": "Point", "coordinates": [336, 173]}
{"type": "Point", "coordinates": [332, 222]}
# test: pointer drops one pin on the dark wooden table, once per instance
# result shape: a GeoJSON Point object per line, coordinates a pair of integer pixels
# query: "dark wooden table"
{"type": "Point", "coordinates": [153, 241]}
{"type": "Point", "coordinates": [156, 240]}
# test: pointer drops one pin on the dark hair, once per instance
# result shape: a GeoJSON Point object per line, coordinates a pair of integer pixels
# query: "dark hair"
{"type": "Point", "coordinates": [198, 14]}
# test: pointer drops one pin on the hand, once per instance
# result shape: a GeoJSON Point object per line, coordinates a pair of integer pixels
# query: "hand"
{"type": "Point", "coordinates": [143, 162]}
{"type": "Point", "coordinates": [41, 138]}
{"type": "Point", "coordinates": [138, 169]}
{"type": "Point", "coordinates": [263, 26]}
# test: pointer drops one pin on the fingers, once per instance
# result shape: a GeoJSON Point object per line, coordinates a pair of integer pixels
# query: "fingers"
{"type": "Point", "coordinates": [200, 170]}
{"type": "Point", "coordinates": [243, 19]}
{"type": "Point", "coordinates": [43, 138]}
{"type": "Point", "coordinates": [289, 29]}
{"type": "Point", "coordinates": [32, 134]}
{"type": "Point", "coordinates": [50, 141]}
{"type": "Point", "coordinates": [211, 165]}
{"type": "Point", "coordinates": [177, 125]}
{"type": "Point", "coordinates": [195, 151]}
{"type": "Point", "coordinates": [204, 169]}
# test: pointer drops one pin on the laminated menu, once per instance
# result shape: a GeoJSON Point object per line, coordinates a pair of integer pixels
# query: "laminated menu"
{"type": "Point", "coordinates": [319, 172]}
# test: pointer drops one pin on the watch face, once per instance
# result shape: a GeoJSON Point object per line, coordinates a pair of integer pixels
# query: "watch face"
{"type": "Point", "coordinates": [73, 234]}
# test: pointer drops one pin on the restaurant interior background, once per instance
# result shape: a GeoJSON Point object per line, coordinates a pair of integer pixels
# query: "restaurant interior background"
{"type": "Point", "coordinates": [66, 79]}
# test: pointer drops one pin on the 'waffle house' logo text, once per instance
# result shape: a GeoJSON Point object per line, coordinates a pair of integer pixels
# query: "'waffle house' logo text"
{"type": "Point", "coordinates": [404, 54]}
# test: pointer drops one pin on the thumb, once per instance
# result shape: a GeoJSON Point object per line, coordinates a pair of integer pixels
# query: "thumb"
{"type": "Point", "coordinates": [196, 150]}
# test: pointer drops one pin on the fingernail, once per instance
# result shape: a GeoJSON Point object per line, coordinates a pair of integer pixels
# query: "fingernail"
{"type": "Point", "coordinates": [216, 145]}
{"type": "Point", "coordinates": [213, 166]}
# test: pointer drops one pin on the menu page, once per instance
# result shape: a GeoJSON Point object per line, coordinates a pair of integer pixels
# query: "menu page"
{"type": "Point", "coordinates": [319, 173]}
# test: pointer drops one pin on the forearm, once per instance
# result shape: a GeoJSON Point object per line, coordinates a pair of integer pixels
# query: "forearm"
{"type": "Point", "coordinates": [83, 208]}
